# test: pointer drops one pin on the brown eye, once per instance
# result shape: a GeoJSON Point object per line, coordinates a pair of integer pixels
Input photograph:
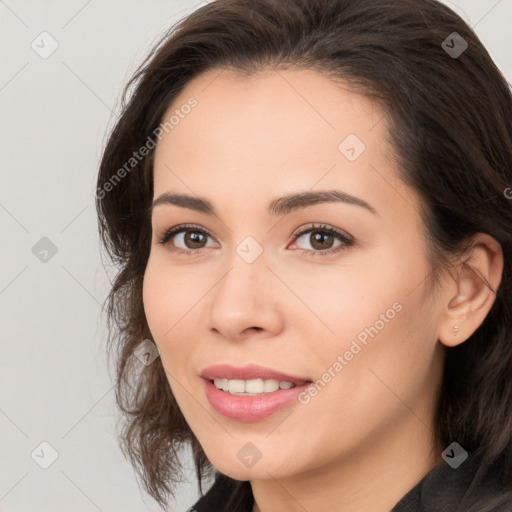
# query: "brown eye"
{"type": "Point", "coordinates": [194, 239]}
{"type": "Point", "coordinates": [321, 239]}
{"type": "Point", "coordinates": [185, 239]}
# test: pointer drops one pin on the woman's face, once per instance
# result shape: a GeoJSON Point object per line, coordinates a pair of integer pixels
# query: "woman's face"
{"type": "Point", "coordinates": [346, 311]}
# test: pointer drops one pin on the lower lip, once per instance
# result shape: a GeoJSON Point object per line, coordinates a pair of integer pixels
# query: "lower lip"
{"type": "Point", "coordinates": [251, 408]}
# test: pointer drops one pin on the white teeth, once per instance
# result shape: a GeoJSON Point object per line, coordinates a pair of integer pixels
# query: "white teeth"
{"type": "Point", "coordinates": [222, 384]}
{"type": "Point", "coordinates": [251, 387]}
{"type": "Point", "coordinates": [236, 386]}
{"type": "Point", "coordinates": [271, 385]}
{"type": "Point", "coordinates": [254, 386]}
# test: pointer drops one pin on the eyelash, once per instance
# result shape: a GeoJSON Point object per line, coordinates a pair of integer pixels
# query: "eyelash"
{"type": "Point", "coordinates": [322, 228]}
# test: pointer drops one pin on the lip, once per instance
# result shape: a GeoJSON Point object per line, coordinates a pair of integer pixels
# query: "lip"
{"type": "Point", "coordinates": [251, 371]}
{"type": "Point", "coordinates": [250, 408]}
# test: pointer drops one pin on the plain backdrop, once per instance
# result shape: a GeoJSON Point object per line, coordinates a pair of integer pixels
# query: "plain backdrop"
{"type": "Point", "coordinates": [56, 392]}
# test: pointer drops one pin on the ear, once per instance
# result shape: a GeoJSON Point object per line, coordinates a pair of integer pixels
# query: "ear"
{"type": "Point", "coordinates": [473, 291]}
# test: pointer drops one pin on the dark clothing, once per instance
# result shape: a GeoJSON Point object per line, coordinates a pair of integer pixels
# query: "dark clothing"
{"type": "Point", "coordinates": [472, 487]}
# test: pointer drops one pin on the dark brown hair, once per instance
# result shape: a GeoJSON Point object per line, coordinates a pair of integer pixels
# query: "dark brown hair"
{"type": "Point", "coordinates": [450, 125]}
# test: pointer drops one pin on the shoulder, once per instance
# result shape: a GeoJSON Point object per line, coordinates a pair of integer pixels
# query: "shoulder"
{"type": "Point", "coordinates": [226, 495]}
{"type": "Point", "coordinates": [474, 486]}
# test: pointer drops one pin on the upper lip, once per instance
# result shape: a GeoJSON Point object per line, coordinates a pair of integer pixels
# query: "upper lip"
{"type": "Point", "coordinates": [248, 372]}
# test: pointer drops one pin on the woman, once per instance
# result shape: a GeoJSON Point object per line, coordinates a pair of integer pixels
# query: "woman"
{"type": "Point", "coordinates": [377, 377]}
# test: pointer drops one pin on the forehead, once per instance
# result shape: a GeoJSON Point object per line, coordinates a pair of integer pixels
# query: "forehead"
{"type": "Point", "coordinates": [251, 110]}
{"type": "Point", "coordinates": [273, 132]}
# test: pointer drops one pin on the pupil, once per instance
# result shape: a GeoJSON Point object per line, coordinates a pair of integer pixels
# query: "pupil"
{"type": "Point", "coordinates": [194, 238]}
{"type": "Point", "coordinates": [318, 237]}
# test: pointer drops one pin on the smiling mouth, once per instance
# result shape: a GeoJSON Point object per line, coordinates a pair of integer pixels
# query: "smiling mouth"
{"type": "Point", "coordinates": [251, 393]}
{"type": "Point", "coordinates": [252, 387]}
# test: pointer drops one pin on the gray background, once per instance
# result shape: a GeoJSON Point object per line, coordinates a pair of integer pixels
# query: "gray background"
{"type": "Point", "coordinates": [55, 386]}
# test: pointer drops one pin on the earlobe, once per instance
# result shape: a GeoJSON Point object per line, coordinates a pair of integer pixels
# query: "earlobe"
{"type": "Point", "coordinates": [454, 326]}
{"type": "Point", "coordinates": [477, 279]}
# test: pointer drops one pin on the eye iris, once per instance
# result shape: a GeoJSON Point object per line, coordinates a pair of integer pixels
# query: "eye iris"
{"type": "Point", "coordinates": [194, 236]}
{"type": "Point", "coordinates": [319, 236]}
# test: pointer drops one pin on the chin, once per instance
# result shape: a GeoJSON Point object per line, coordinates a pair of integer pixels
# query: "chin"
{"type": "Point", "coordinates": [260, 471]}
{"type": "Point", "coordinates": [239, 465]}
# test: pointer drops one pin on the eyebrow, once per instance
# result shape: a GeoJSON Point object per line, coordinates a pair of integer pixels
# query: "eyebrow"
{"type": "Point", "coordinates": [279, 206]}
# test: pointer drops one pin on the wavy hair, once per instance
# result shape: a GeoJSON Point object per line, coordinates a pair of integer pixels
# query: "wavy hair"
{"type": "Point", "coordinates": [450, 127]}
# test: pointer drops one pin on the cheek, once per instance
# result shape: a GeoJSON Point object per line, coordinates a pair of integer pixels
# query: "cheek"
{"type": "Point", "coordinates": [339, 303]}
{"type": "Point", "coordinates": [155, 299]}
{"type": "Point", "coordinates": [368, 385]}
{"type": "Point", "coordinates": [165, 305]}
{"type": "Point", "coordinates": [166, 301]}
{"type": "Point", "coordinates": [371, 320]}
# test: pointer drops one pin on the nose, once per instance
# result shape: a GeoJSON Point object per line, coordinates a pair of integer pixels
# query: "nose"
{"type": "Point", "coordinates": [245, 301]}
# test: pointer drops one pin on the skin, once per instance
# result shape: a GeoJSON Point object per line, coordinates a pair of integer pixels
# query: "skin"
{"type": "Point", "coordinates": [367, 437]}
